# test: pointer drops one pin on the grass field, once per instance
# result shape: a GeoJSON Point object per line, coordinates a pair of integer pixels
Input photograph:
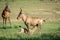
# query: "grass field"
{"type": "Point", "coordinates": [50, 31]}
{"type": "Point", "coordinates": [33, 8]}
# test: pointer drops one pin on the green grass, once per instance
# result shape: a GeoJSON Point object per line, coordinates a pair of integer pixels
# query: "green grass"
{"type": "Point", "coordinates": [50, 31]}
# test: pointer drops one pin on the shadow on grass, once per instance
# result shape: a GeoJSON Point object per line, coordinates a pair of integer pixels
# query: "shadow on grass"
{"type": "Point", "coordinates": [41, 37]}
{"type": "Point", "coordinates": [5, 27]}
{"type": "Point", "coordinates": [8, 27]}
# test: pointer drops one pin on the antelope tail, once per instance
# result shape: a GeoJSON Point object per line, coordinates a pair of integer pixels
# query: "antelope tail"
{"type": "Point", "coordinates": [45, 19]}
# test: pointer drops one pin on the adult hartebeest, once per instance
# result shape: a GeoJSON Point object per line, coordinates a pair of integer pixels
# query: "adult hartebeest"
{"type": "Point", "coordinates": [6, 15]}
{"type": "Point", "coordinates": [30, 21]}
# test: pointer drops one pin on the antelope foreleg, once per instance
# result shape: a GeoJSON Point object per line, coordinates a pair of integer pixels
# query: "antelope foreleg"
{"type": "Point", "coordinates": [3, 22]}
{"type": "Point", "coordinates": [9, 21]}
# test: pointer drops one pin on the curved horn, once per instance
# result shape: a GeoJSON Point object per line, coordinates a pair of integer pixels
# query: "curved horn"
{"type": "Point", "coordinates": [6, 5]}
{"type": "Point", "coordinates": [20, 11]}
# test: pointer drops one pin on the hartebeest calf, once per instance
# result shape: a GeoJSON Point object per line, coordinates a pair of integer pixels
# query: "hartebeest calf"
{"type": "Point", "coordinates": [24, 30]}
{"type": "Point", "coordinates": [6, 15]}
{"type": "Point", "coordinates": [30, 21]}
